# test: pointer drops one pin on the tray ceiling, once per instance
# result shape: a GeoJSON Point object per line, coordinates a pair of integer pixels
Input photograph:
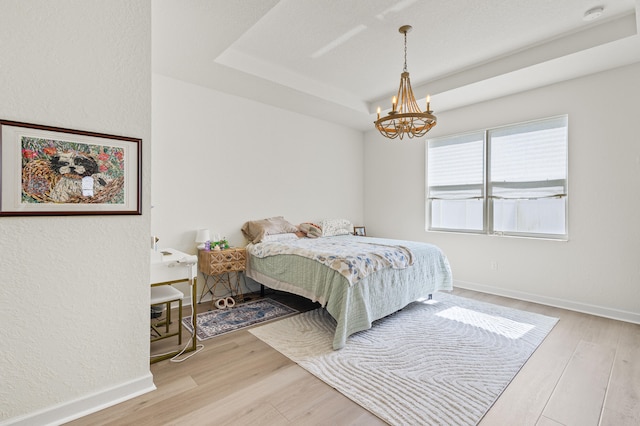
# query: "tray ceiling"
{"type": "Point", "coordinates": [338, 60]}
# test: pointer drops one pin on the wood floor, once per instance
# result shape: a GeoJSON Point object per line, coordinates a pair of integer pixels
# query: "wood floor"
{"type": "Point", "coordinates": [586, 372]}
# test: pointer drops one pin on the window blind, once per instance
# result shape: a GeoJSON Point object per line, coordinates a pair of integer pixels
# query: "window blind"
{"type": "Point", "coordinates": [522, 168]}
{"type": "Point", "coordinates": [529, 160]}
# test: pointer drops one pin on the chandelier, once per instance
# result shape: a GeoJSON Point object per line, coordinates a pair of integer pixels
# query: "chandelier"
{"type": "Point", "coordinates": [405, 117]}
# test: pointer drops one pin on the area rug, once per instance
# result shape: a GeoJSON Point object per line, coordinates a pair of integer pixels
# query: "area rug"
{"type": "Point", "coordinates": [221, 321]}
{"type": "Point", "coordinates": [438, 362]}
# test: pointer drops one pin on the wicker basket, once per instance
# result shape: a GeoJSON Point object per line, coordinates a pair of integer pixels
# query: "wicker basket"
{"type": "Point", "coordinates": [38, 180]}
{"type": "Point", "coordinates": [107, 193]}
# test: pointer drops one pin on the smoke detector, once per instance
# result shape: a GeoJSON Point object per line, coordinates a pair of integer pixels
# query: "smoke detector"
{"type": "Point", "coordinates": [593, 14]}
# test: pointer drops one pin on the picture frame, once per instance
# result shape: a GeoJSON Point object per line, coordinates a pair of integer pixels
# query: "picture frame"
{"type": "Point", "coordinates": [359, 231]}
{"type": "Point", "coordinates": [46, 170]}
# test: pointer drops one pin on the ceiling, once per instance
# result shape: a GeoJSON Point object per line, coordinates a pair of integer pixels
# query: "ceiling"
{"type": "Point", "coordinates": [338, 60]}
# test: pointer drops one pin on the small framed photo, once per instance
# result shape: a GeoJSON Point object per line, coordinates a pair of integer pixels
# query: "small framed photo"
{"type": "Point", "coordinates": [359, 231]}
{"type": "Point", "coordinates": [48, 170]}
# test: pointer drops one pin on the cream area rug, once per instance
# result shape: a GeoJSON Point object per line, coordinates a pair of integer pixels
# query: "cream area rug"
{"type": "Point", "coordinates": [438, 362]}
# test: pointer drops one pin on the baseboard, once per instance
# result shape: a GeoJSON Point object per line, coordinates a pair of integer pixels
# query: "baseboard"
{"type": "Point", "coordinates": [586, 308]}
{"type": "Point", "coordinates": [71, 410]}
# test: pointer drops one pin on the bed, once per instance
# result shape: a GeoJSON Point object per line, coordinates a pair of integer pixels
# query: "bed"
{"type": "Point", "coordinates": [356, 279]}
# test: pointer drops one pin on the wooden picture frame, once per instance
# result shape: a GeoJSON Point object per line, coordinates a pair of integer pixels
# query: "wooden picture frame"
{"type": "Point", "coordinates": [47, 170]}
{"type": "Point", "coordinates": [360, 231]}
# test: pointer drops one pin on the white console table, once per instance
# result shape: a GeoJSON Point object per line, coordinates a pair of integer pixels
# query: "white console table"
{"type": "Point", "coordinates": [170, 266]}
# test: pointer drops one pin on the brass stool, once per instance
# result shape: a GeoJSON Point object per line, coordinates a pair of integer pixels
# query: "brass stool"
{"type": "Point", "coordinates": [166, 295]}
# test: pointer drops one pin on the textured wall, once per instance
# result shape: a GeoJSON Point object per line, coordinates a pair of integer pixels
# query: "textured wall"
{"type": "Point", "coordinates": [74, 290]}
{"type": "Point", "coordinates": [597, 269]}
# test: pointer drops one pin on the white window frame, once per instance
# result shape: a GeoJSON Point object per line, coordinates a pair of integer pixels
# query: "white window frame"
{"type": "Point", "coordinates": [486, 192]}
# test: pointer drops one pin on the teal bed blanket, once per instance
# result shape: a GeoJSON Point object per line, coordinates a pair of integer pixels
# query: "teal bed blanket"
{"type": "Point", "coordinates": [353, 303]}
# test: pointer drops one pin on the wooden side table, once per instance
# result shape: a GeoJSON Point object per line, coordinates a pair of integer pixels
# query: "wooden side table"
{"type": "Point", "coordinates": [219, 265]}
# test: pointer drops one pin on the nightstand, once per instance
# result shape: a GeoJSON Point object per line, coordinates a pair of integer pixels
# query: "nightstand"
{"type": "Point", "coordinates": [220, 266]}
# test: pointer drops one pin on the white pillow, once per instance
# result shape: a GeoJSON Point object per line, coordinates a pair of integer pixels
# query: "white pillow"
{"type": "Point", "coordinates": [333, 227]}
{"type": "Point", "coordinates": [279, 237]}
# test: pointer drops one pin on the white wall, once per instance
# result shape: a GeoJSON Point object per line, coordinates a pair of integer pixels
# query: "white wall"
{"type": "Point", "coordinates": [597, 270]}
{"type": "Point", "coordinates": [74, 289]}
{"type": "Point", "coordinates": [219, 160]}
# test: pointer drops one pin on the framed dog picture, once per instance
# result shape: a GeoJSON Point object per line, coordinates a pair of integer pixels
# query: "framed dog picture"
{"type": "Point", "coordinates": [53, 171]}
{"type": "Point", "coordinates": [359, 231]}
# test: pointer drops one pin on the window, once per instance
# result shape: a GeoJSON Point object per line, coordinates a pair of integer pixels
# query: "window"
{"type": "Point", "coordinates": [510, 180]}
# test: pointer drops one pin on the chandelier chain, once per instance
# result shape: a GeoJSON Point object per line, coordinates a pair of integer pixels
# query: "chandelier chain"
{"type": "Point", "coordinates": [405, 52]}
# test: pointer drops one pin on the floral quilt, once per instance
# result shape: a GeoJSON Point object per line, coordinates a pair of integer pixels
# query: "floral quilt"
{"type": "Point", "coordinates": [353, 259]}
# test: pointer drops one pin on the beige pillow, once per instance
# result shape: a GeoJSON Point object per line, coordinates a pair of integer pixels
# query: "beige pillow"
{"type": "Point", "coordinates": [255, 230]}
{"type": "Point", "coordinates": [311, 230]}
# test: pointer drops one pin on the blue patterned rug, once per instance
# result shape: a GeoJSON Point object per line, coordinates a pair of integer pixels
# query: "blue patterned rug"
{"type": "Point", "coordinates": [221, 321]}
